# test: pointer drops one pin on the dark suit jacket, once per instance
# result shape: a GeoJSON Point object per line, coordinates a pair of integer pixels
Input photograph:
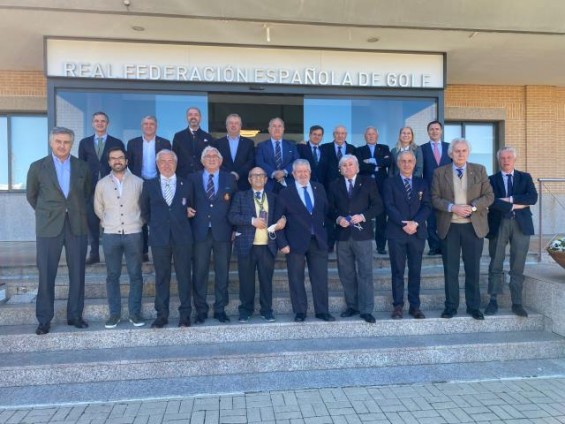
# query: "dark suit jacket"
{"type": "Point", "coordinates": [168, 225]}
{"type": "Point", "coordinates": [297, 232]}
{"type": "Point", "coordinates": [364, 200]}
{"type": "Point", "coordinates": [430, 164]}
{"type": "Point", "coordinates": [189, 150]}
{"type": "Point", "coordinates": [241, 212]}
{"type": "Point", "coordinates": [244, 159]}
{"type": "Point", "coordinates": [305, 152]}
{"type": "Point", "coordinates": [265, 158]}
{"type": "Point", "coordinates": [399, 208]}
{"type": "Point", "coordinates": [329, 164]}
{"type": "Point", "coordinates": [135, 152]}
{"type": "Point", "coordinates": [216, 211]}
{"type": "Point", "coordinates": [524, 193]}
{"type": "Point", "coordinates": [479, 194]}
{"type": "Point", "coordinates": [46, 198]}
{"type": "Point", "coordinates": [87, 153]}
{"type": "Point", "coordinates": [383, 157]}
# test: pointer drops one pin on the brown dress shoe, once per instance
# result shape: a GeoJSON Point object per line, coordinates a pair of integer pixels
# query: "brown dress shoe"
{"type": "Point", "coordinates": [396, 312]}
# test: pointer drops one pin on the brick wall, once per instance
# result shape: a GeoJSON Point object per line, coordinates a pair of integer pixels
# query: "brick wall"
{"type": "Point", "coordinates": [23, 83]}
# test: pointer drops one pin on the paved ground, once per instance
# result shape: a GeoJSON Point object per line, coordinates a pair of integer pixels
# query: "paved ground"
{"type": "Point", "coordinates": [504, 401]}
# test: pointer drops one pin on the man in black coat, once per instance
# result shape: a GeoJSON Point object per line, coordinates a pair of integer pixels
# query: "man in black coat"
{"type": "Point", "coordinates": [311, 151]}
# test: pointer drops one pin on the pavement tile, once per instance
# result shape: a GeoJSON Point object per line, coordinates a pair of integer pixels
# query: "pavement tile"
{"type": "Point", "coordinates": [460, 415]}
{"type": "Point", "coordinates": [321, 420]}
{"type": "Point", "coordinates": [407, 418]}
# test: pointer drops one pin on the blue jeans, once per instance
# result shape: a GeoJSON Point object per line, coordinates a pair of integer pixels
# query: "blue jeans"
{"type": "Point", "coordinates": [131, 246]}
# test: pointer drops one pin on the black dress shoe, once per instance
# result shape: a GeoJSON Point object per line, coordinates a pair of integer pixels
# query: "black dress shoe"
{"type": "Point", "coordinates": [42, 329]}
{"type": "Point", "coordinates": [381, 251]}
{"type": "Point", "coordinates": [221, 316]}
{"type": "Point", "coordinates": [475, 313]}
{"type": "Point", "coordinates": [519, 310]}
{"type": "Point", "coordinates": [91, 260]}
{"type": "Point", "coordinates": [349, 312]}
{"type": "Point", "coordinates": [325, 317]}
{"type": "Point", "coordinates": [184, 322]}
{"type": "Point", "coordinates": [416, 313]}
{"type": "Point", "coordinates": [299, 317]}
{"type": "Point", "coordinates": [368, 318]}
{"type": "Point", "coordinates": [492, 308]}
{"type": "Point", "coordinates": [201, 318]}
{"type": "Point", "coordinates": [160, 322]}
{"type": "Point", "coordinates": [448, 313]}
{"type": "Point", "coordinates": [78, 322]}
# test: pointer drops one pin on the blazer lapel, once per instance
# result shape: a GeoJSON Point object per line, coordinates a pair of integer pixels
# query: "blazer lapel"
{"type": "Point", "coordinates": [53, 174]}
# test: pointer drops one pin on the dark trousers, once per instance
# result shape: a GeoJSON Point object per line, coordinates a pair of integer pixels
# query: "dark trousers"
{"type": "Point", "coordinates": [48, 254]}
{"type": "Point", "coordinates": [261, 259]}
{"type": "Point", "coordinates": [145, 233]}
{"type": "Point", "coordinates": [317, 260]}
{"type": "Point", "coordinates": [380, 227]}
{"type": "Point", "coordinates": [461, 238]}
{"type": "Point", "coordinates": [93, 228]}
{"type": "Point", "coordinates": [202, 255]}
{"type": "Point", "coordinates": [182, 258]}
{"type": "Point", "coordinates": [408, 248]}
{"type": "Point", "coordinates": [434, 242]}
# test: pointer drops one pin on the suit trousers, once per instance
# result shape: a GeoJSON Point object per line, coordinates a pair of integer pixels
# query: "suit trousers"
{"type": "Point", "coordinates": [380, 227]}
{"type": "Point", "coordinates": [355, 269]}
{"type": "Point", "coordinates": [261, 259]}
{"type": "Point", "coordinates": [317, 260]}
{"type": "Point", "coordinates": [434, 243]}
{"type": "Point", "coordinates": [93, 228]}
{"type": "Point", "coordinates": [202, 254]}
{"type": "Point", "coordinates": [461, 239]}
{"type": "Point", "coordinates": [48, 255]}
{"type": "Point", "coordinates": [182, 258]}
{"type": "Point", "coordinates": [408, 248]}
{"type": "Point", "coordinates": [508, 232]}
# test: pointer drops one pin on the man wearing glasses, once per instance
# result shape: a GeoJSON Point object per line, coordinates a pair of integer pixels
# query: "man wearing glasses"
{"type": "Point", "coordinates": [252, 212]}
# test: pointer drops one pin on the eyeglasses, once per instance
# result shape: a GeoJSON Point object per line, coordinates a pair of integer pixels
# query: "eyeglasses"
{"type": "Point", "coordinates": [257, 175]}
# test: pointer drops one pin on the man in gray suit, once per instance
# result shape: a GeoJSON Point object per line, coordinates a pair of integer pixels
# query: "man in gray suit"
{"type": "Point", "coordinates": [58, 188]}
{"type": "Point", "coordinates": [461, 195]}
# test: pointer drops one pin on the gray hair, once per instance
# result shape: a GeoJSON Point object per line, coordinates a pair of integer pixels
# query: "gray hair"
{"type": "Point", "coordinates": [195, 108]}
{"type": "Point", "coordinates": [506, 149]}
{"type": "Point", "coordinates": [276, 119]}
{"type": "Point", "coordinates": [405, 152]}
{"type": "Point", "coordinates": [370, 127]}
{"type": "Point", "coordinates": [61, 130]}
{"type": "Point", "coordinates": [339, 126]}
{"type": "Point", "coordinates": [349, 157]}
{"type": "Point", "coordinates": [299, 162]}
{"type": "Point", "coordinates": [166, 152]}
{"type": "Point", "coordinates": [234, 115]}
{"type": "Point", "coordinates": [456, 141]}
{"type": "Point", "coordinates": [149, 118]}
{"type": "Point", "coordinates": [209, 149]}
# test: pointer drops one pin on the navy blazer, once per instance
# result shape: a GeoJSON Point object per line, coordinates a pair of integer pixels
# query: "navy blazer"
{"type": "Point", "coordinates": [244, 159]}
{"type": "Point", "coordinates": [523, 193]}
{"type": "Point", "coordinates": [98, 167]}
{"type": "Point", "coordinates": [329, 163]}
{"type": "Point", "coordinates": [241, 212]}
{"type": "Point", "coordinates": [299, 221]}
{"type": "Point", "coordinates": [135, 152]}
{"type": "Point", "coordinates": [168, 225]}
{"type": "Point", "coordinates": [265, 158]}
{"type": "Point", "coordinates": [213, 212]}
{"type": "Point", "coordinates": [383, 158]}
{"type": "Point", "coordinates": [364, 200]}
{"type": "Point", "coordinates": [430, 163]}
{"type": "Point", "coordinates": [305, 152]}
{"type": "Point", "coordinates": [399, 208]}
{"type": "Point", "coordinates": [189, 150]}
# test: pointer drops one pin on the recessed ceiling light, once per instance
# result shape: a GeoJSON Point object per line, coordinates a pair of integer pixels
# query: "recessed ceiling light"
{"type": "Point", "coordinates": [138, 28]}
{"type": "Point", "coordinates": [373, 39]}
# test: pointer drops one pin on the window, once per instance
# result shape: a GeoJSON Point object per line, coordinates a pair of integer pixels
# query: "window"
{"type": "Point", "coordinates": [23, 140]}
{"type": "Point", "coordinates": [483, 139]}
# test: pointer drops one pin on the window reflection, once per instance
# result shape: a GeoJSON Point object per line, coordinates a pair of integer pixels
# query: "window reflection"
{"type": "Point", "coordinates": [4, 153]}
{"type": "Point", "coordinates": [28, 137]}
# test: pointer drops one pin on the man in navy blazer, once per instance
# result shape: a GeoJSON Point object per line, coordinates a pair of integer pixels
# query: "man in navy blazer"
{"type": "Point", "coordinates": [353, 203]}
{"type": "Point", "coordinates": [189, 143]}
{"type": "Point", "coordinates": [408, 204]}
{"type": "Point", "coordinates": [164, 206]}
{"type": "Point", "coordinates": [212, 191]}
{"type": "Point", "coordinates": [304, 240]}
{"type": "Point", "coordinates": [434, 154]}
{"type": "Point", "coordinates": [510, 222]}
{"type": "Point", "coordinates": [238, 152]}
{"type": "Point", "coordinates": [311, 151]}
{"type": "Point", "coordinates": [252, 212]}
{"type": "Point", "coordinates": [94, 151]}
{"type": "Point", "coordinates": [278, 169]}
{"type": "Point", "coordinates": [141, 153]}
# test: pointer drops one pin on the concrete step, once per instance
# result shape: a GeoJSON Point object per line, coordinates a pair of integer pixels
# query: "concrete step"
{"type": "Point", "coordinates": [257, 357]}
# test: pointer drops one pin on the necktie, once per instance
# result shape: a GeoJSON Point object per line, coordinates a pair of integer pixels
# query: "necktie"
{"type": "Point", "coordinates": [350, 187]}
{"type": "Point", "coordinates": [210, 187]}
{"type": "Point", "coordinates": [315, 154]}
{"type": "Point", "coordinates": [510, 186]}
{"type": "Point", "coordinates": [168, 193]}
{"type": "Point", "coordinates": [308, 200]}
{"type": "Point", "coordinates": [278, 155]}
{"type": "Point", "coordinates": [258, 195]}
{"type": "Point", "coordinates": [459, 172]}
{"type": "Point", "coordinates": [339, 154]}
{"type": "Point", "coordinates": [436, 152]}
{"type": "Point", "coordinates": [408, 188]}
{"type": "Point", "coordinates": [100, 147]}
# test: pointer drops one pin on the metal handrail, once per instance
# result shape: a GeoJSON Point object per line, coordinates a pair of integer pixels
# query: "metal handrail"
{"type": "Point", "coordinates": [540, 195]}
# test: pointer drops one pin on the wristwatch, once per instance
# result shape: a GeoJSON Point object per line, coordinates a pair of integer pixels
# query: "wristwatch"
{"type": "Point", "coordinates": [474, 208]}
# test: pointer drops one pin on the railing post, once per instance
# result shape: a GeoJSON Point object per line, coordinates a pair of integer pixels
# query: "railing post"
{"type": "Point", "coordinates": [540, 194]}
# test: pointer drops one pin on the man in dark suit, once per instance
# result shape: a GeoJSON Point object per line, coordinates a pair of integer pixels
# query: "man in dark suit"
{"type": "Point", "coordinates": [461, 195]}
{"type": "Point", "coordinates": [311, 151]}
{"type": "Point", "coordinates": [407, 201]}
{"type": "Point", "coordinates": [252, 212]}
{"type": "Point", "coordinates": [374, 161]}
{"type": "Point", "coordinates": [304, 240]}
{"type": "Point", "coordinates": [94, 151]}
{"type": "Point", "coordinates": [164, 206]}
{"type": "Point", "coordinates": [510, 222]}
{"type": "Point", "coordinates": [238, 152]}
{"type": "Point", "coordinates": [212, 191]}
{"type": "Point", "coordinates": [141, 153]}
{"type": "Point", "coordinates": [434, 154]}
{"type": "Point", "coordinates": [353, 203]}
{"type": "Point", "coordinates": [189, 143]}
{"type": "Point", "coordinates": [58, 188]}
{"type": "Point", "coordinates": [276, 156]}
